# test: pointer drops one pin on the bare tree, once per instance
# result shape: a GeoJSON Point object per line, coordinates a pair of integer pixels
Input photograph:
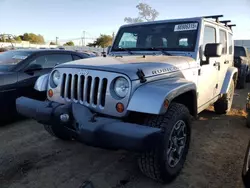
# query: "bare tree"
{"type": "Point", "coordinates": [146, 13]}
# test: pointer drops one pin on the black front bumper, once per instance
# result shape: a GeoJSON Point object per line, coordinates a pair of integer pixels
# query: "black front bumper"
{"type": "Point", "coordinates": [109, 133]}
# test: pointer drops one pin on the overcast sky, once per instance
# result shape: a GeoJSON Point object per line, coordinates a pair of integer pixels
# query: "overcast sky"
{"type": "Point", "coordinates": [67, 19]}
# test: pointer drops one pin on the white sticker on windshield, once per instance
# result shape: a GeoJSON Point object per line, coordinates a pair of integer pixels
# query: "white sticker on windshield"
{"type": "Point", "coordinates": [186, 27]}
{"type": "Point", "coordinates": [19, 57]}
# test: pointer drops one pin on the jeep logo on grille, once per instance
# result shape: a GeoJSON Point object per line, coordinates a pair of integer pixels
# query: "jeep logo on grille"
{"type": "Point", "coordinates": [83, 72]}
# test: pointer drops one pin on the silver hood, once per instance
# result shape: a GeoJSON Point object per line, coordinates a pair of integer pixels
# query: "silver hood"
{"type": "Point", "coordinates": [151, 65]}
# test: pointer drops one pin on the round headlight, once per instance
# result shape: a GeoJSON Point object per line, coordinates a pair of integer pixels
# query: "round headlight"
{"type": "Point", "coordinates": [56, 77]}
{"type": "Point", "coordinates": [121, 87]}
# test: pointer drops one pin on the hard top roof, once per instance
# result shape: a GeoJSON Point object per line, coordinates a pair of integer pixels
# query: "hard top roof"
{"type": "Point", "coordinates": [223, 23]}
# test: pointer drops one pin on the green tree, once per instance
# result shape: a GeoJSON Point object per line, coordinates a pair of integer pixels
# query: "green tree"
{"type": "Point", "coordinates": [70, 43]}
{"type": "Point", "coordinates": [146, 13]}
{"type": "Point", "coordinates": [52, 43]}
{"type": "Point", "coordinates": [18, 39]}
{"type": "Point", "coordinates": [102, 41]}
{"type": "Point", "coordinates": [33, 38]}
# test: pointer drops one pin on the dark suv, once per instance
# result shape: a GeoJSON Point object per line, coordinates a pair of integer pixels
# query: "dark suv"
{"type": "Point", "coordinates": [241, 61]}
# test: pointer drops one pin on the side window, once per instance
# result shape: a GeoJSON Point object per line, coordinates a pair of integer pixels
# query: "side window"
{"type": "Point", "coordinates": [223, 41]}
{"type": "Point", "coordinates": [128, 40]}
{"type": "Point", "coordinates": [165, 42]}
{"type": "Point", "coordinates": [230, 43]}
{"type": "Point", "coordinates": [209, 35]}
{"type": "Point", "coordinates": [76, 57]}
{"type": "Point", "coordinates": [183, 42]}
{"type": "Point", "coordinates": [51, 60]}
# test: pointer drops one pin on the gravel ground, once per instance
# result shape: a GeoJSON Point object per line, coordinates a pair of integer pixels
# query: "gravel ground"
{"type": "Point", "coordinates": [31, 158]}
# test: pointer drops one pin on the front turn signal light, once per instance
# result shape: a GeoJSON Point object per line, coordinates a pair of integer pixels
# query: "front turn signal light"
{"type": "Point", "coordinates": [119, 107]}
{"type": "Point", "coordinates": [50, 93]}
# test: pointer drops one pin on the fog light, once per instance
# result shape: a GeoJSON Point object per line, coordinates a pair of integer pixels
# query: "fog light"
{"type": "Point", "coordinates": [50, 93]}
{"type": "Point", "coordinates": [64, 118]}
{"type": "Point", "coordinates": [119, 107]}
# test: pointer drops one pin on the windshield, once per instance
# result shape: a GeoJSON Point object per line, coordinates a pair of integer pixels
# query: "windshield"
{"type": "Point", "coordinates": [239, 51]}
{"type": "Point", "coordinates": [13, 57]}
{"type": "Point", "coordinates": [168, 36]}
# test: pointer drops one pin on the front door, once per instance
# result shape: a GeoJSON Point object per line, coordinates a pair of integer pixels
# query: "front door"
{"type": "Point", "coordinates": [208, 74]}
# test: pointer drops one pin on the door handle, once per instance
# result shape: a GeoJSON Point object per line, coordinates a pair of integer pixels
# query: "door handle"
{"type": "Point", "coordinates": [226, 62]}
{"type": "Point", "coordinates": [217, 64]}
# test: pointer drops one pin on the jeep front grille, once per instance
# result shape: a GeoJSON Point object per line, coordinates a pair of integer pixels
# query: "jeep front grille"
{"type": "Point", "coordinates": [84, 89]}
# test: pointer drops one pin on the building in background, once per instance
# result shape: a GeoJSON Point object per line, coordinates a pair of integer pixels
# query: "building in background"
{"type": "Point", "coordinates": [245, 43]}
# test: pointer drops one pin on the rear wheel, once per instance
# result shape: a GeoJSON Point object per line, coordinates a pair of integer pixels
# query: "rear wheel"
{"type": "Point", "coordinates": [242, 82]}
{"type": "Point", "coordinates": [224, 104]}
{"type": "Point", "coordinates": [165, 162]}
{"type": "Point", "coordinates": [248, 76]}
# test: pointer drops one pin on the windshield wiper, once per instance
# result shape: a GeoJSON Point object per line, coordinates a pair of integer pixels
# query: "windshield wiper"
{"type": "Point", "coordinates": [126, 49]}
{"type": "Point", "coordinates": [162, 50]}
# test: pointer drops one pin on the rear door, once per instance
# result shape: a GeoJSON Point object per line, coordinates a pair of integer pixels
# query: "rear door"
{"type": "Point", "coordinates": [226, 59]}
{"type": "Point", "coordinates": [27, 79]}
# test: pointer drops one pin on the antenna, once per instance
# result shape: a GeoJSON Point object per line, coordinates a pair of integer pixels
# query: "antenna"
{"type": "Point", "coordinates": [216, 17]}
{"type": "Point", "coordinates": [225, 22]}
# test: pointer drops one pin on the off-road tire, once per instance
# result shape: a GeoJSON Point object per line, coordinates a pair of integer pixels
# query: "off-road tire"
{"type": "Point", "coordinates": [248, 76]}
{"type": "Point", "coordinates": [58, 133]}
{"type": "Point", "coordinates": [224, 104]}
{"type": "Point", "coordinates": [248, 121]}
{"type": "Point", "coordinates": [154, 163]}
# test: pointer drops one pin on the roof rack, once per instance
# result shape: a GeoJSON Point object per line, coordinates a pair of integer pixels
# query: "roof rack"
{"type": "Point", "coordinates": [231, 25]}
{"type": "Point", "coordinates": [225, 22]}
{"type": "Point", "coordinates": [216, 17]}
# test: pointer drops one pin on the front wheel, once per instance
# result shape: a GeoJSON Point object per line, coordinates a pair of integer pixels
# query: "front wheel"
{"type": "Point", "coordinates": [165, 162]}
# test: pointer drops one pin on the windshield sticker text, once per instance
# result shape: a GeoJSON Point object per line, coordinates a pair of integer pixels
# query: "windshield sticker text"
{"type": "Point", "coordinates": [169, 69]}
{"type": "Point", "coordinates": [186, 27]}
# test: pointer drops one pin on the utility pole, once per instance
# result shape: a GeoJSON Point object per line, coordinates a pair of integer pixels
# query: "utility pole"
{"type": "Point", "coordinates": [56, 40]}
{"type": "Point", "coordinates": [83, 39]}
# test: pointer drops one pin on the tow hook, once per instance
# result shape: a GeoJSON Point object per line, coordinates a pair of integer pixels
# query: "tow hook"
{"type": "Point", "coordinates": [92, 119]}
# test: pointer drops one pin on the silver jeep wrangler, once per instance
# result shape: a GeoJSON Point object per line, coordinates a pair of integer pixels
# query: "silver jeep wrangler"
{"type": "Point", "coordinates": [141, 97]}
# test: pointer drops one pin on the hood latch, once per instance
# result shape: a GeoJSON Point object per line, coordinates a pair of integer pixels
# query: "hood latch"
{"type": "Point", "coordinates": [141, 76]}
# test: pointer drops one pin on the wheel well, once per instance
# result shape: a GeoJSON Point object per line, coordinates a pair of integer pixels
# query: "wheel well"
{"type": "Point", "coordinates": [189, 99]}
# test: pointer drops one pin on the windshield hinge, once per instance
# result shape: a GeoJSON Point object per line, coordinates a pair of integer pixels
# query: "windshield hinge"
{"type": "Point", "coordinates": [141, 76]}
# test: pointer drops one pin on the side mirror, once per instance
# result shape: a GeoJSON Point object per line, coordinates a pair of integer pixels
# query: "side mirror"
{"type": "Point", "coordinates": [33, 67]}
{"type": "Point", "coordinates": [108, 49]}
{"type": "Point", "coordinates": [246, 168]}
{"type": "Point", "coordinates": [212, 50]}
